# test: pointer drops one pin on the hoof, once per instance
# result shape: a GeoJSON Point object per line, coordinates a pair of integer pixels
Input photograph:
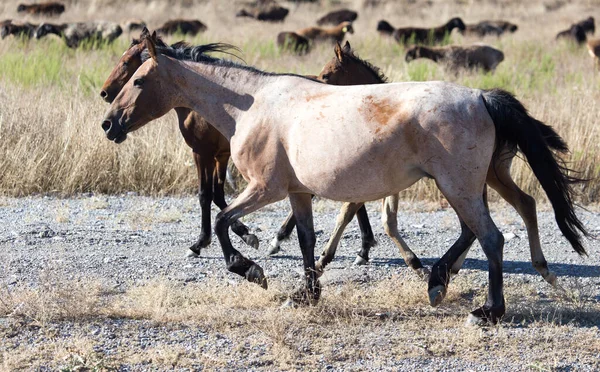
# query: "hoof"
{"type": "Point", "coordinates": [423, 273]}
{"type": "Point", "coordinates": [191, 254]}
{"type": "Point", "coordinates": [485, 316]}
{"type": "Point", "coordinates": [275, 247]}
{"type": "Point", "coordinates": [319, 268]}
{"type": "Point", "coordinates": [551, 278]}
{"type": "Point", "coordinates": [251, 240]}
{"type": "Point", "coordinates": [256, 275]}
{"type": "Point", "coordinates": [359, 261]}
{"type": "Point", "coordinates": [436, 295]}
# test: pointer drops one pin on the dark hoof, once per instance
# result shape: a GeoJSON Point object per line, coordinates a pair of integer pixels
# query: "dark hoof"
{"type": "Point", "coordinates": [251, 240]}
{"type": "Point", "coordinates": [256, 275]}
{"type": "Point", "coordinates": [436, 295]}
{"type": "Point", "coordinates": [203, 242]}
{"type": "Point", "coordinates": [485, 315]}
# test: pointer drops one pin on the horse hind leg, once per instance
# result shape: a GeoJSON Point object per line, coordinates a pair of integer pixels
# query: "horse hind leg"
{"type": "Point", "coordinates": [283, 234]}
{"type": "Point", "coordinates": [366, 234]}
{"type": "Point", "coordinates": [346, 214]}
{"type": "Point", "coordinates": [389, 218]}
{"type": "Point", "coordinates": [219, 198]}
{"type": "Point", "coordinates": [524, 204]}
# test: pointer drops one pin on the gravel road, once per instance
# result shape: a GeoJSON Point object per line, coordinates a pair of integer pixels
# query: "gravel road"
{"type": "Point", "coordinates": [126, 240]}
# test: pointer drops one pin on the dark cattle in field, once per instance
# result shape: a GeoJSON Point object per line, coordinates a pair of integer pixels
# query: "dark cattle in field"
{"type": "Point", "coordinates": [133, 25]}
{"type": "Point", "coordinates": [268, 13]}
{"type": "Point", "coordinates": [184, 26]}
{"type": "Point", "coordinates": [332, 34]}
{"type": "Point", "coordinates": [75, 33]}
{"type": "Point", "coordinates": [46, 9]}
{"type": "Point", "coordinates": [484, 28]}
{"type": "Point", "coordinates": [415, 35]}
{"type": "Point", "coordinates": [588, 25]}
{"type": "Point", "coordinates": [457, 57]}
{"type": "Point", "coordinates": [337, 17]}
{"type": "Point", "coordinates": [293, 42]}
{"type": "Point", "coordinates": [25, 30]}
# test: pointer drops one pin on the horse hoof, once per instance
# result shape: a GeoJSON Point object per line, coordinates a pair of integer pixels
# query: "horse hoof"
{"type": "Point", "coordinates": [551, 278]}
{"type": "Point", "coordinates": [436, 295]}
{"type": "Point", "coordinates": [484, 316]}
{"type": "Point", "coordinates": [359, 261]}
{"type": "Point", "coordinates": [423, 273]}
{"type": "Point", "coordinates": [251, 240]}
{"type": "Point", "coordinates": [191, 254]}
{"type": "Point", "coordinates": [473, 321]}
{"type": "Point", "coordinates": [256, 275]}
{"type": "Point", "coordinates": [275, 247]}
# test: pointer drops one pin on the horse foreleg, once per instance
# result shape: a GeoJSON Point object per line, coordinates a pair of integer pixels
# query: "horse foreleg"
{"type": "Point", "coordinates": [252, 198]}
{"type": "Point", "coordinates": [502, 182]}
{"type": "Point", "coordinates": [219, 198]}
{"type": "Point", "coordinates": [389, 217]}
{"type": "Point", "coordinates": [283, 234]}
{"type": "Point", "coordinates": [204, 167]}
{"type": "Point", "coordinates": [343, 219]}
{"type": "Point", "coordinates": [302, 209]}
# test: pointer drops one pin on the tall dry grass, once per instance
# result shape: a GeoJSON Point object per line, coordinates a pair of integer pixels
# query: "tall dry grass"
{"type": "Point", "coordinates": [50, 111]}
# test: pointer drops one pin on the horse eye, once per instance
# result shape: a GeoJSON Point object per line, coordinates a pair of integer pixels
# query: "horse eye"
{"type": "Point", "coordinates": [138, 82]}
{"type": "Point", "coordinates": [326, 76]}
{"type": "Point", "coordinates": [124, 64]}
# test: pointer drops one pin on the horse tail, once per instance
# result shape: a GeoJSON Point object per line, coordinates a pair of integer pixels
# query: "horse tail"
{"type": "Point", "coordinates": [515, 128]}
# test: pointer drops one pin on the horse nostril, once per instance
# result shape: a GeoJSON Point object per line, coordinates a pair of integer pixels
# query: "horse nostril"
{"type": "Point", "coordinates": [103, 94]}
{"type": "Point", "coordinates": [106, 125]}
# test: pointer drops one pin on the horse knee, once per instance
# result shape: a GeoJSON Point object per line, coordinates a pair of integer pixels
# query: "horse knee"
{"type": "Point", "coordinates": [221, 224]}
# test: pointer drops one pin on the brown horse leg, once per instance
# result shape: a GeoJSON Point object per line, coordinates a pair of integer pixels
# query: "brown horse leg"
{"type": "Point", "coordinates": [302, 209]}
{"type": "Point", "coordinates": [343, 219]}
{"type": "Point", "coordinates": [502, 182]}
{"type": "Point", "coordinates": [219, 198]}
{"type": "Point", "coordinates": [389, 218]}
{"type": "Point", "coordinates": [204, 166]}
{"type": "Point", "coordinates": [252, 198]}
{"type": "Point", "coordinates": [283, 234]}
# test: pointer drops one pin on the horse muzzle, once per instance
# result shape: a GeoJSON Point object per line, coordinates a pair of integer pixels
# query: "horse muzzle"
{"type": "Point", "coordinates": [114, 131]}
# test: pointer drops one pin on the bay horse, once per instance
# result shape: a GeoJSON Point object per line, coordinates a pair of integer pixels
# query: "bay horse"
{"type": "Point", "coordinates": [370, 141]}
{"type": "Point", "coordinates": [346, 67]}
{"type": "Point", "coordinates": [210, 148]}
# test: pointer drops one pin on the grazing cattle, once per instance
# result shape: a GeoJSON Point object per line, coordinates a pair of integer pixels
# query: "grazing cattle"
{"type": "Point", "coordinates": [594, 50]}
{"type": "Point", "coordinates": [268, 13]}
{"type": "Point", "coordinates": [183, 26]}
{"type": "Point", "coordinates": [42, 9]}
{"type": "Point", "coordinates": [75, 33]}
{"type": "Point", "coordinates": [575, 33]}
{"type": "Point", "coordinates": [484, 28]}
{"type": "Point", "coordinates": [293, 42]}
{"type": "Point", "coordinates": [455, 57]}
{"type": "Point", "coordinates": [333, 34]}
{"type": "Point", "coordinates": [376, 139]}
{"type": "Point", "coordinates": [414, 35]}
{"type": "Point", "coordinates": [132, 25]}
{"type": "Point", "coordinates": [25, 30]}
{"type": "Point", "coordinates": [338, 16]}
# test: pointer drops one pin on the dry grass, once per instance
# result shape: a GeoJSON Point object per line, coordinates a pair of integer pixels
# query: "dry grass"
{"type": "Point", "coordinates": [381, 321]}
{"type": "Point", "coordinates": [51, 139]}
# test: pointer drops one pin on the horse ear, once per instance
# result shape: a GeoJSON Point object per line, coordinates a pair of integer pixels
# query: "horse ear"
{"type": "Point", "coordinates": [149, 41]}
{"type": "Point", "coordinates": [347, 47]}
{"type": "Point", "coordinates": [338, 51]}
{"type": "Point", "coordinates": [144, 33]}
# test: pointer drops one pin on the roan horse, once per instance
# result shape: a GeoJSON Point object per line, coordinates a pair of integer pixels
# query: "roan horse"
{"type": "Point", "coordinates": [377, 139]}
{"type": "Point", "coordinates": [210, 149]}
{"type": "Point", "coordinates": [347, 68]}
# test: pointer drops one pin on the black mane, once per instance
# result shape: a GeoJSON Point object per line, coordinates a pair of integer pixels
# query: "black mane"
{"type": "Point", "coordinates": [185, 52]}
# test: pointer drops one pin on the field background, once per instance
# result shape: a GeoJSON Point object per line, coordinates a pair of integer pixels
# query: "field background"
{"type": "Point", "coordinates": [50, 109]}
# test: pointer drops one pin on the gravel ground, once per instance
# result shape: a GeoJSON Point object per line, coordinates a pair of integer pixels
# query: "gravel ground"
{"type": "Point", "coordinates": [126, 240]}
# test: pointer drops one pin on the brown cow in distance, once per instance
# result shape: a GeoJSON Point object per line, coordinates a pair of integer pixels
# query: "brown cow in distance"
{"type": "Point", "coordinates": [184, 26]}
{"type": "Point", "coordinates": [337, 17]}
{"type": "Point", "coordinates": [46, 9]}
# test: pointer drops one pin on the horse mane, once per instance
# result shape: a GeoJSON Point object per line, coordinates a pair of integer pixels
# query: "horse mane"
{"type": "Point", "coordinates": [376, 71]}
{"type": "Point", "coordinates": [185, 52]}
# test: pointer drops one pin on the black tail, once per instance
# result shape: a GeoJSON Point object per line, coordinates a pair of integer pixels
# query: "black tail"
{"type": "Point", "coordinates": [514, 127]}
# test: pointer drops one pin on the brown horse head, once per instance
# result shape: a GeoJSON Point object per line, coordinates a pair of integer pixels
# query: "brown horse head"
{"type": "Point", "coordinates": [139, 101]}
{"type": "Point", "coordinates": [347, 69]}
{"type": "Point", "coordinates": [125, 68]}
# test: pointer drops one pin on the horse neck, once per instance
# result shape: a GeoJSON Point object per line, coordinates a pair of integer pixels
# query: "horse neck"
{"type": "Point", "coordinates": [219, 93]}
